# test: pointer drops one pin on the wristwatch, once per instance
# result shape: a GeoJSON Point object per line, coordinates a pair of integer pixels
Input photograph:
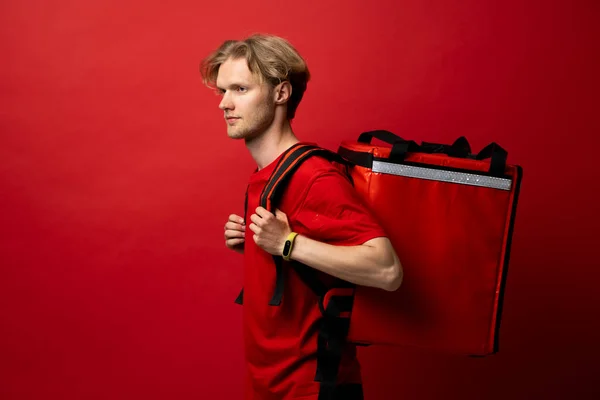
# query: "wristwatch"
{"type": "Point", "coordinates": [288, 246]}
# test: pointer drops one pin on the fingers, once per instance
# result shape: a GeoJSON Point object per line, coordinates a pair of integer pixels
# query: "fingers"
{"type": "Point", "coordinates": [254, 228]}
{"type": "Point", "coordinates": [235, 230]}
{"type": "Point", "coordinates": [230, 234]}
{"type": "Point", "coordinates": [236, 219]}
{"type": "Point", "coordinates": [264, 213]}
{"type": "Point", "coordinates": [261, 217]}
{"type": "Point", "coordinates": [233, 242]}
{"type": "Point", "coordinates": [235, 223]}
{"type": "Point", "coordinates": [257, 220]}
{"type": "Point", "coordinates": [234, 226]}
{"type": "Point", "coordinates": [257, 223]}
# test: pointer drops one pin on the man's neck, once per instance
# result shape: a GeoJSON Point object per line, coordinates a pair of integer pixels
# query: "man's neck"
{"type": "Point", "coordinates": [271, 143]}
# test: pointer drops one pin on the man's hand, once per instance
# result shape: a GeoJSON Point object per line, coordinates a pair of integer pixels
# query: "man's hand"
{"type": "Point", "coordinates": [270, 231]}
{"type": "Point", "coordinates": [235, 229]}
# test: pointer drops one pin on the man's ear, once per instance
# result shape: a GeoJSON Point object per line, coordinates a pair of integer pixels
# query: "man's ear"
{"type": "Point", "coordinates": [283, 92]}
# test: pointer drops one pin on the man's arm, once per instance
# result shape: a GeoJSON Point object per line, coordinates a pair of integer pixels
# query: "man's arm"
{"type": "Point", "coordinates": [373, 263]}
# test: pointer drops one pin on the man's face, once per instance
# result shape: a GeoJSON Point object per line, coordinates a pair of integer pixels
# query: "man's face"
{"type": "Point", "coordinates": [248, 105]}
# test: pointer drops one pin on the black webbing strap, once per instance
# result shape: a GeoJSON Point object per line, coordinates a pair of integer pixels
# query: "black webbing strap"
{"type": "Point", "coordinates": [288, 163]}
{"type": "Point", "coordinates": [271, 195]}
{"type": "Point", "coordinates": [334, 328]}
{"type": "Point", "coordinates": [460, 148]}
{"type": "Point", "coordinates": [400, 147]}
{"type": "Point", "coordinates": [240, 298]}
{"type": "Point", "coordinates": [332, 337]}
{"type": "Point", "coordinates": [498, 158]}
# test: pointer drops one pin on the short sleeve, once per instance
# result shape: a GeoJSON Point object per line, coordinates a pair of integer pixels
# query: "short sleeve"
{"type": "Point", "coordinates": [332, 212]}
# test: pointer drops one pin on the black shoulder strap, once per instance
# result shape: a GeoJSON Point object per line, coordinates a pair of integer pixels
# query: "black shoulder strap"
{"type": "Point", "coordinates": [288, 163]}
{"type": "Point", "coordinates": [269, 199]}
{"type": "Point", "coordinates": [240, 299]}
{"type": "Point", "coordinates": [333, 330]}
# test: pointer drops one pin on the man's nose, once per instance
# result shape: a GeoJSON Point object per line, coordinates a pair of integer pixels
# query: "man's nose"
{"type": "Point", "coordinates": [226, 103]}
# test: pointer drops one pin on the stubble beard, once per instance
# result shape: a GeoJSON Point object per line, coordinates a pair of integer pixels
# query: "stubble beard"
{"type": "Point", "coordinates": [253, 126]}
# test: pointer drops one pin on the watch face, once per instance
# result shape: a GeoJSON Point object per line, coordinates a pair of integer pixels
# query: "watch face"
{"type": "Point", "coordinates": [286, 247]}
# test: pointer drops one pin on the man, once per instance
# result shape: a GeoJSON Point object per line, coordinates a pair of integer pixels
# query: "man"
{"type": "Point", "coordinates": [262, 80]}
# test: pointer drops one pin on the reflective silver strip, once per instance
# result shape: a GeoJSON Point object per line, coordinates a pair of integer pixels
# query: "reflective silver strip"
{"type": "Point", "coordinates": [441, 175]}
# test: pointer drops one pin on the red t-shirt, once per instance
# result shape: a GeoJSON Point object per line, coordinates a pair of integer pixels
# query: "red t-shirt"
{"type": "Point", "coordinates": [281, 341]}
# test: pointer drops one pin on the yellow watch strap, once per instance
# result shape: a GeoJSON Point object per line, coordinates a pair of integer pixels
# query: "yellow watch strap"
{"type": "Point", "coordinates": [288, 246]}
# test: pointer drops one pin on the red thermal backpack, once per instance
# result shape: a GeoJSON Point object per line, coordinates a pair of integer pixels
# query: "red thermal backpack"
{"type": "Point", "coordinates": [449, 215]}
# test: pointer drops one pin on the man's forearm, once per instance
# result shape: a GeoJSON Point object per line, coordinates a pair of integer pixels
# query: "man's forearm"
{"type": "Point", "coordinates": [372, 264]}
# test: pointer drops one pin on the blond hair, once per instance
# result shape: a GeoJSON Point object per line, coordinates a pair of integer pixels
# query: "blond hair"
{"type": "Point", "coordinates": [271, 58]}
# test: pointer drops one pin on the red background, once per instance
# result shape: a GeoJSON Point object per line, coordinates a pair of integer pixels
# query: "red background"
{"type": "Point", "coordinates": [116, 177]}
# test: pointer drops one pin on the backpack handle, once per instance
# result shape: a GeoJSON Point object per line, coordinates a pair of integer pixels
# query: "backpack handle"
{"type": "Point", "coordinates": [399, 146]}
{"type": "Point", "coordinates": [460, 148]}
{"type": "Point", "coordinates": [384, 136]}
{"type": "Point", "coordinates": [498, 158]}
